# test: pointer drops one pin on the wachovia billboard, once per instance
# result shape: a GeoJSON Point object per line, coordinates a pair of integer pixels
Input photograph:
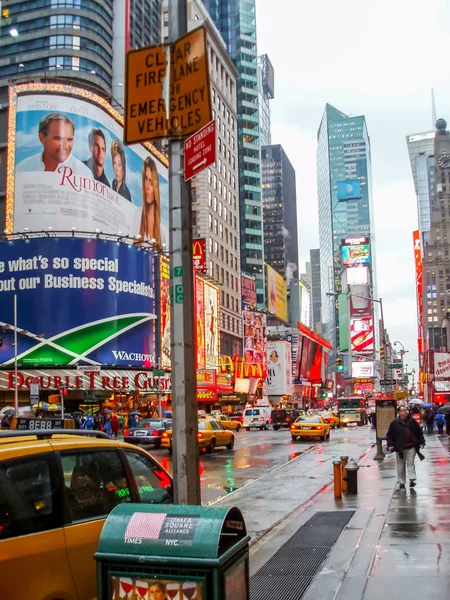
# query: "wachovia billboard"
{"type": "Point", "coordinates": [79, 301]}
{"type": "Point", "coordinates": [68, 167]}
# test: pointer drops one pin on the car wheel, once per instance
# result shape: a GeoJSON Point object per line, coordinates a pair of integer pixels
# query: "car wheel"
{"type": "Point", "coordinates": [238, 428]}
{"type": "Point", "coordinates": [211, 447]}
{"type": "Point", "coordinates": [276, 427]}
{"type": "Point", "coordinates": [170, 449]}
{"type": "Point", "coordinates": [327, 437]}
{"type": "Point", "coordinates": [230, 446]}
{"type": "Point", "coordinates": [262, 427]}
{"type": "Point", "coordinates": [247, 428]}
{"type": "Point", "coordinates": [294, 438]}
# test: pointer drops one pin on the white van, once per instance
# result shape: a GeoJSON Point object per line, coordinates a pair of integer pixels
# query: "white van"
{"type": "Point", "coordinates": [257, 417]}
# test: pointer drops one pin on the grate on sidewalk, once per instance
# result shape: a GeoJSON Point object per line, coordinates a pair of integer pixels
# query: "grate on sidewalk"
{"type": "Point", "coordinates": [292, 568]}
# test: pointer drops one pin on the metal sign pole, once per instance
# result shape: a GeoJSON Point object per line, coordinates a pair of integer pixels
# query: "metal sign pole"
{"type": "Point", "coordinates": [16, 389]}
{"type": "Point", "coordinates": [185, 446]}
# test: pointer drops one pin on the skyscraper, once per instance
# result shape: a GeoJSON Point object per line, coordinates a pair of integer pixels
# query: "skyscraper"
{"type": "Point", "coordinates": [280, 212]}
{"type": "Point", "coordinates": [421, 156]}
{"type": "Point", "coordinates": [266, 82]}
{"type": "Point", "coordinates": [236, 21]}
{"type": "Point", "coordinates": [345, 207]}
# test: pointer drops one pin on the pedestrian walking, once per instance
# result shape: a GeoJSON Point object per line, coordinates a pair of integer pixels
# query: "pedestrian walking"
{"type": "Point", "coordinates": [121, 423]}
{"type": "Point", "coordinates": [430, 420]}
{"type": "Point", "coordinates": [439, 419]}
{"type": "Point", "coordinates": [405, 438]}
{"type": "Point", "coordinates": [447, 423]}
{"type": "Point", "coordinates": [114, 424]}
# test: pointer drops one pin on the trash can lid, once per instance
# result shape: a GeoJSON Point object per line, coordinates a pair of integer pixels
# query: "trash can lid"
{"type": "Point", "coordinates": [171, 530]}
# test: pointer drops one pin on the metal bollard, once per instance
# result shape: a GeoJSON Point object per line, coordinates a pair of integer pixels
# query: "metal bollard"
{"type": "Point", "coordinates": [344, 461]}
{"type": "Point", "coordinates": [337, 478]}
{"type": "Point", "coordinates": [352, 477]}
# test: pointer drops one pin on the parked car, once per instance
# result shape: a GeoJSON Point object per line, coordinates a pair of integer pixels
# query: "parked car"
{"type": "Point", "coordinates": [310, 426]}
{"type": "Point", "coordinates": [283, 417]}
{"type": "Point", "coordinates": [148, 432]}
{"type": "Point", "coordinates": [56, 489]}
{"type": "Point", "coordinates": [258, 417]}
{"type": "Point", "coordinates": [211, 434]}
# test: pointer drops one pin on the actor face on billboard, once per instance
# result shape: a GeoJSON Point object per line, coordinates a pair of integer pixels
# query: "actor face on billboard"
{"type": "Point", "coordinates": [157, 591]}
{"type": "Point", "coordinates": [57, 135]}
{"type": "Point", "coordinates": [120, 170]}
{"type": "Point", "coordinates": [274, 356]}
{"type": "Point", "coordinates": [151, 211]}
{"type": "Point", "coordinates": [97, 148]}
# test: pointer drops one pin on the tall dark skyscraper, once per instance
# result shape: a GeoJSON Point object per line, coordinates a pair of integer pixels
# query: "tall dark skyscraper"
{"type": "Point", "coordinates": [236, 21]}
{"type": "Point", "coordinates": [314, 259]}
{"type": "Point", "coordinates": [280, 212]}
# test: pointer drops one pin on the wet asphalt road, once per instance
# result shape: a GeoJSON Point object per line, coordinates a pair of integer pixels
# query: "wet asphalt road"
{"type": "Point", "coordinates": [258, 453]}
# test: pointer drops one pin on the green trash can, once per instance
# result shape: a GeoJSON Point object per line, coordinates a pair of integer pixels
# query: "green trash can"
{"type": "Point", "coordinates": [162, 552]}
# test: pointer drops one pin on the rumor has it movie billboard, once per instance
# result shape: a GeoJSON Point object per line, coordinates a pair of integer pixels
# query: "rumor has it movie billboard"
{"type": "Point", "coordinates": [362, 335]}
{"type": "Point", "coordinates": [211, 330]}
{"type": "Point", "coordinates": [276, 294]}
{"type": "Point", "coordinates": [79, 301]}
{"type": "Point", "coordinates": [279, 369]}
{"type": "Point", "coordinates": [71, 169]}
{"type": "Point", "coordinates": [200, 322]}
{"type": "Point", "coordinates": [255, 338]}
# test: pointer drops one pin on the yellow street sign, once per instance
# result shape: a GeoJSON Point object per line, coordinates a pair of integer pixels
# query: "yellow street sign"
{"type": "Point", "coordinates": [189, 97]}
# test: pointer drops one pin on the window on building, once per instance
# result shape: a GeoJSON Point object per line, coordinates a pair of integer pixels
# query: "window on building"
{"type": "Point", "coordinates": [210, 221]}
{"type": "Point", "coordinates": [209, 198]}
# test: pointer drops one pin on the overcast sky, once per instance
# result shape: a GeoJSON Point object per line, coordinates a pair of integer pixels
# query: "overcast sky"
{"type": "Point", "coordinates": [379, 59]}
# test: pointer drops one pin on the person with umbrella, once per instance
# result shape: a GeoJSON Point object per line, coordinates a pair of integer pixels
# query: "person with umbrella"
{"type": "Point", "coordinates": [133, 419]}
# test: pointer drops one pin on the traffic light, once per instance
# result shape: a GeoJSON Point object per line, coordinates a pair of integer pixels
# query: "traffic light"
{"type": "Point", "coordinates": [324, 394]}
{"type": "Point", "coordinates": [339, 364]}
{"type": "Point", "coordinates": [382, 355]}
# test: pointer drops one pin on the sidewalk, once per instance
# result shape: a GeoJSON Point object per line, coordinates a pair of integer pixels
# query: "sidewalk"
{"type": "Point", "coordinates": [396, 545]}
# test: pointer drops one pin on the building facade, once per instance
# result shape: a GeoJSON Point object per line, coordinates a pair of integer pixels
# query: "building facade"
{"type": "Point", "coordinates": [343, 162]}
{"type": "Point", "coordinates": [236, 21]}
{"type": "Point", "coordinates": [316, 294]}
{"type": "Point", "coordinates": [421, 157]}
{"type": "Point", "coordinates": [266, 79]}
{"type": "Point", "coordinates": [280, 212]}
{"type": "Point", "coordinates": [215, 191]}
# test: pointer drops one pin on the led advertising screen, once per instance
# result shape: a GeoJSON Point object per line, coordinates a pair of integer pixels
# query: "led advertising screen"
{"type": "Point", "coordinates": [361, 336]}
{"type": "Point", "coordinates": [71, 169]}
{"type": "Point", "coordinates": [276, 294]}
{"type": "Point", "coordinates": [211, 302]}
{"type": "Point", "coordinates": [356, 255]}
{"type": "Point", "coordinates": [349, 189]}
{"type": "Point", "coordinates": [248, 290]}
{"type": "Point", "coordinates": [79, 301]}
{"type": "Point", "coordinates": [255, 338]}
{"type": "Point", "coordinates": [360, 303]}
{"type": "Point", "coordinates": [361, 370]}
{"type": "Point", "coordinates": [357, 275]}
{"type": "Point", "coordinates": [305, 305]}
{"type": "Point", "coordinates": [304, 360]}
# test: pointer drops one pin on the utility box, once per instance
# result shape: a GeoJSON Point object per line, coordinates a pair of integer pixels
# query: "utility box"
{"type": "Point", "coordinates": [182, 552]}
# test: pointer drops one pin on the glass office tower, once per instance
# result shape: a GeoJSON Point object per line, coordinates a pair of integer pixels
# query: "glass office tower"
{"type": "Point", "coordinates": [343, 154]}
{"type": "Point", "coordinates": [236, 21]}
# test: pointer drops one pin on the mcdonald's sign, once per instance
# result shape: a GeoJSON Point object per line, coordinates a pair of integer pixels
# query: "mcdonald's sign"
{"type": "Point", "coordinates": [240, 367]}
{"type": "Point", "coordinates": [199, 255]}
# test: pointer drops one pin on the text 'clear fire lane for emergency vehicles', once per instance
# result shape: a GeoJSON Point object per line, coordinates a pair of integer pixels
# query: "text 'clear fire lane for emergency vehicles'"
{"type": "Point", "coordinates": [147, 116]}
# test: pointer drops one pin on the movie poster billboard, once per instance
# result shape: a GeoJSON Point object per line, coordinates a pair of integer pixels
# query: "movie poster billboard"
{"type": "Point", "coordinates": [72, 170]}
{"type": "Point", "coordinates": [79, 301]}
{"type": "Point", "coordinates": [279, 369]}
{"type": "Point", "coordinates": [211, 302]}
{"type": "Point", "coordinates": [200, 322]}
{"type": "Point", "coordinates": [248, 291]}
{"type": "Point", "coordinates": [164, 287]}
{"type": "Point", "coordinates": [276, 294]}
{"type": "Point", "coordinates": [362, 335]}
{"type": "Point", "coordinates": [419, 287]}
{"type": "Point", "coordinates": [255, 338]}
{"type": "Point", "coordinates": [144, 588]}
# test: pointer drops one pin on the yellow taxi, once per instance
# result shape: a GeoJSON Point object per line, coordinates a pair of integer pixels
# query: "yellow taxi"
{"type": "Point", "coordinates": [330, 417]}
{"type": "Point", "coordinates": [56, 489]}
{"type": "Point", "coordinates": [310, 426]}
{"type": "Point", "coordinates": [226, 422]}
{"type": "Point", "coordinates": [211, 434]}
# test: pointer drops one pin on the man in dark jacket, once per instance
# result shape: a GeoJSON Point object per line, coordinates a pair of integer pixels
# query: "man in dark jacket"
{"type": "Point", "coordinates": [405, 437]}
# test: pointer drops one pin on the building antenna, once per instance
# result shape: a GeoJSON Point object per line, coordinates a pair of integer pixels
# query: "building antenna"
{"type": "Point", "coordinates": [433, 108]}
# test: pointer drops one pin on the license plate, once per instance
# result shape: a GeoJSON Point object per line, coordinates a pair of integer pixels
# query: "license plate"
{"type": "Point", "coordinates": [307, 428]}
{"type": "Point", "coordinates": [141, 433]}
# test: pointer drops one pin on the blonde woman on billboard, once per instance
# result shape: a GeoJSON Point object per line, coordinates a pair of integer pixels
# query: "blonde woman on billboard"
{"type": "Point", "coordinates": [151, 203]}
{"type": "Point", "coordinates": [120, 170]}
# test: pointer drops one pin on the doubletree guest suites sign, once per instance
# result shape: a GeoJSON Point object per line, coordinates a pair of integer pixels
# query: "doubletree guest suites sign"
{"type": "Point", "coordinates": [167, 92]}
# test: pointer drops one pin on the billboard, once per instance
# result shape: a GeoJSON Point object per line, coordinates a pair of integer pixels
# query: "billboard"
{"type": "Point", "coordinates": [442, 365]}
{"type": "Point", "coordinates": [71, 169]}
{"type": "Point", "coordinates": [361, 335]}
{"type": "Point", "coordinates": [349, 189]}
{"type": "Point", "coordinates": [248, 291]}
{"type": "Point", "coordinates": [164, 323]}
{"type": "Point", "coordinates": [357, 275]}
{"type": "Point", "coordinates": [356, 255]}
{"type": "Point", "coordinates": [305, 305]}
{"type": "Point", "coordinates": [255, 338]}
{"type": "Point", "coordinates": [199, 255]}
{"type": "Point", "coordinates": [363, 369]}
{"type": "Point", "coordinates": [419, 287]}
{"type": "Point", "coordinates": [200, 322]}
{"type": "Point", "coordinates": [276, 294]}
{"type": "Point", "coordinates": [279, 369]}
{"type": "Point", "coordinates": [79, 301]}
{"type": "Point", "coordinates": [211, 312]}
{"type": "Point", "coordinates": [360, 304]}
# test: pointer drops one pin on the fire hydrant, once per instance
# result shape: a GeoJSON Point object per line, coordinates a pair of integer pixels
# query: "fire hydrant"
{"type": "Point", "coordinates": [352, 477]}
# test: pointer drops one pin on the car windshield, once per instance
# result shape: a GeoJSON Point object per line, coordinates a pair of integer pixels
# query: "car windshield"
{"type": "Point", "coordinates": [308, 420]}
{"type": "Point", "coordinates": [150, 423]}
{"type": "Point", "coordinates": [326, 414]}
